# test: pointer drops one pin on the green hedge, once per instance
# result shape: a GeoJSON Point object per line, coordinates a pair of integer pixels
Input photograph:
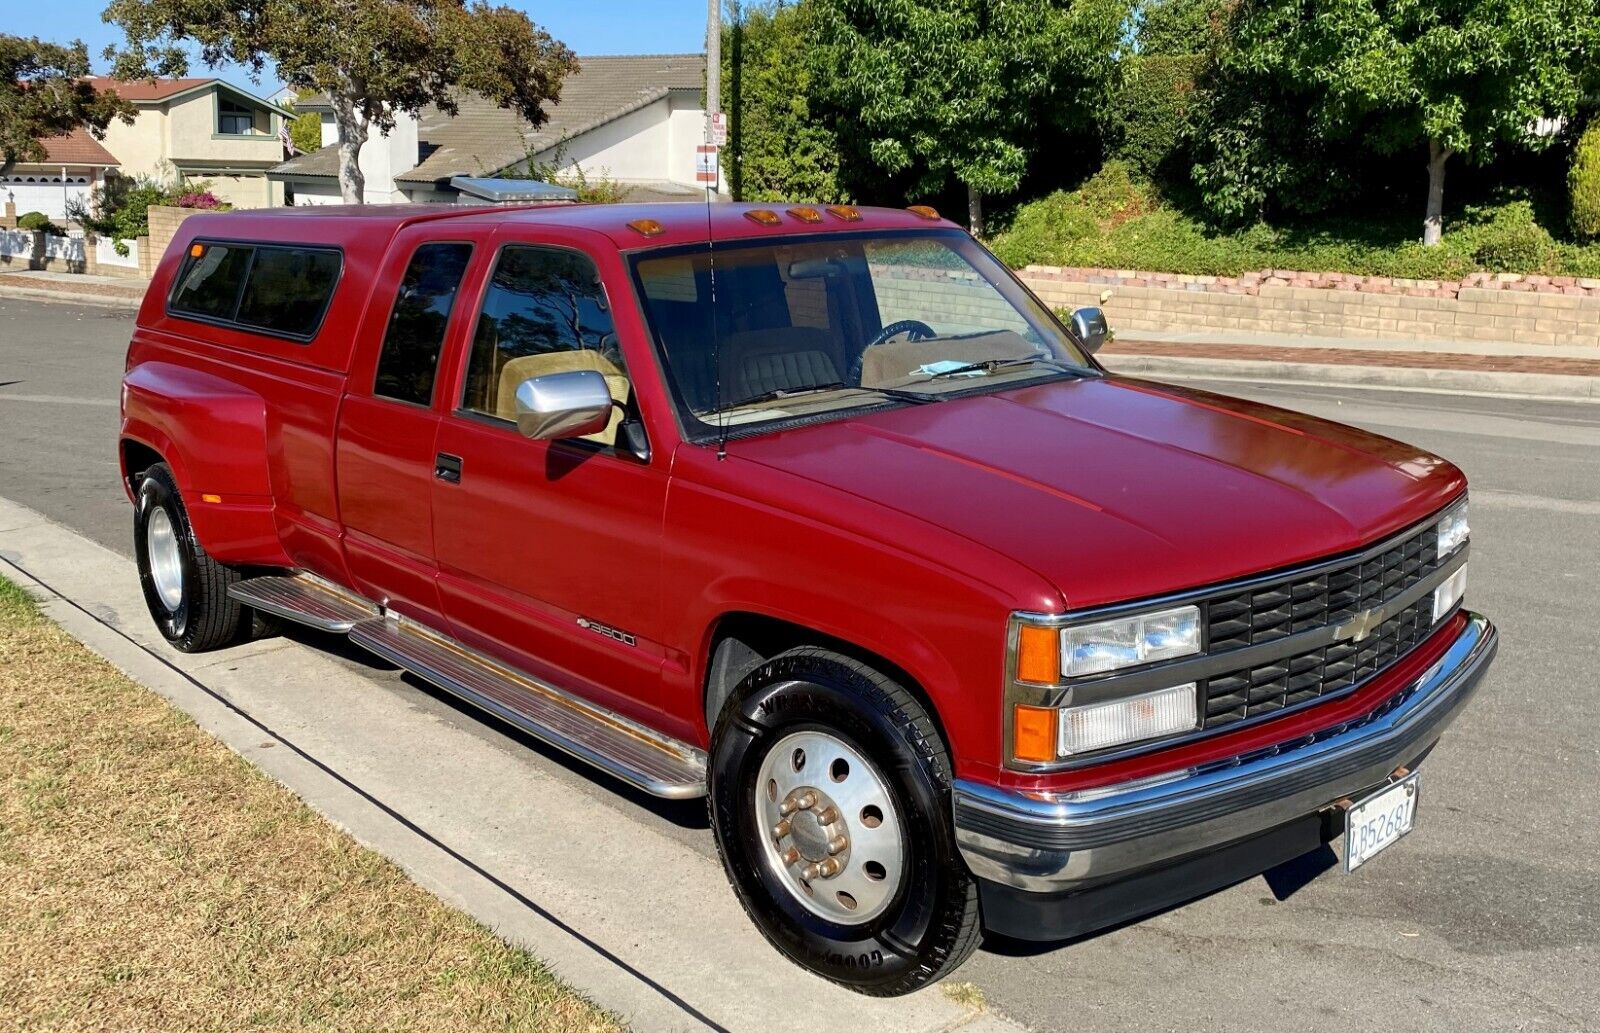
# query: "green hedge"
{"type": "Point", "coordinates": [1116, 222]}
{"type": "Point", "coordinates": [1584, 182]}
{"type": "Point", "coordinates": [1147, 120]}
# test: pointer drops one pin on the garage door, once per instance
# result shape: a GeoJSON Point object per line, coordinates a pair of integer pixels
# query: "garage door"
{"type": "Point", "coordinates": [46, 194]}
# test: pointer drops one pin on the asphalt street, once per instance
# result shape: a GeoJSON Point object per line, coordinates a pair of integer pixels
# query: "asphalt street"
{"type": "Point", "coordinates": [1486, 918]}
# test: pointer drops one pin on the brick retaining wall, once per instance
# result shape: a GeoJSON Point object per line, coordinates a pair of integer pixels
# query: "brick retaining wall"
{"type": "Point", "coordinates": [1522, 310]}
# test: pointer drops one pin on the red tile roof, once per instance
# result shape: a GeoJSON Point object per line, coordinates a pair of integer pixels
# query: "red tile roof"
{"type": "Point", "coordinates": [145, 90]}
{"type": "Point", "coordinates": [76, 148]}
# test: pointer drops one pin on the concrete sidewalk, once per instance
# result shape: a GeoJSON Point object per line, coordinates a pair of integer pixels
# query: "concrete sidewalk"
{"type": "Point", "coordinates": [640, 923]}
{"type": "Point", "coordinates": [1454, 367]}
{"type": "Point", "coordinates": [82, 288]}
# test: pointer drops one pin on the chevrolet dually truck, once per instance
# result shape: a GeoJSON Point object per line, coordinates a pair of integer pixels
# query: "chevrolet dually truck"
{"type": "Point", "coordinates": [819, 513]}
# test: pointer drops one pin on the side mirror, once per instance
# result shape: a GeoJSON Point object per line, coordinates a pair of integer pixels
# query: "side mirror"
{"type": "Point", "coordinates": [563, 405]}
{"type": "Point", "coordinates": [1089, 325]}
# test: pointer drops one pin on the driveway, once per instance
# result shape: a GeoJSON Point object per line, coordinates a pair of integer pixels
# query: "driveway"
{"type": "Point", "coordinates": [1488, 917]}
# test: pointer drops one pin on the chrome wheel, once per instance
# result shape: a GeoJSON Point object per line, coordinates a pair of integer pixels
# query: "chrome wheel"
{"type": "Point", "coordinates": [166, 559]}
{"type": "Point", "coordinates": [831, 829]}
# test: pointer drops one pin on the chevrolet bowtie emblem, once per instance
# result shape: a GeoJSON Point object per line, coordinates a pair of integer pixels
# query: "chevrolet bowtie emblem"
{"type": "Point", "coordinates": [1359, 626]}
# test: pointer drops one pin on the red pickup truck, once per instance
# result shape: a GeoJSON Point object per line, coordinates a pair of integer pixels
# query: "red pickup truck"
{"type": "Point", "coordinates": [820, 513]}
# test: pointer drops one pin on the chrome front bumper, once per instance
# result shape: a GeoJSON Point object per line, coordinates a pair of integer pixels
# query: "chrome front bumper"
{"type": "Point", "coordinates": [1055, 843]}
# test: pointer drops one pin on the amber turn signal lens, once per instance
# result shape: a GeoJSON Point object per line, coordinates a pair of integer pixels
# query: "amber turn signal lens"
{"type": "Point", "coordinates": [648, 227]}
{"type": "Point", "coordinates": [213, 499]}
{"type": "Point", "coordinates": [1033, 733]}
{"type": "Point", "coordinates": [764, 216]}
{"type": "Point", "coordinates": [1038, 655]}
{"type": "Point", "coordinates": [922, 211]}
{"type": "Point", "coordinates": [196, 250]}
{"type": "Point", "coordinates": [806, 214]}
{"type": "Point", "coordinates": [845, 212]}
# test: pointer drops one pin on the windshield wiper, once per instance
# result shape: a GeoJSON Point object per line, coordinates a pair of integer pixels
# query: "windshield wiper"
{"type": "Point", "coordinates": [993, 365]}
{"type": "Point", "coordinates": [915, 397]}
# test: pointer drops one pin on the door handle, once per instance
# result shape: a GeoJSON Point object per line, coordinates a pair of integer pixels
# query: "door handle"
{"type": "Point", "coordinates": [447, 467]}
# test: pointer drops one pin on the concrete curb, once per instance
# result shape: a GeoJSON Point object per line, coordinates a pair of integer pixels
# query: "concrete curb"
{"type": "Point", "coordinates": [70, 297]}
{"type": "Point", "coordinates": [541, 863]}
{"type": "Point", "coordinates": [1552, 387]}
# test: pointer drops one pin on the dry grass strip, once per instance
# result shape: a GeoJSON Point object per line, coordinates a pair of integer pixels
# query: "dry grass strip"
{"type": "Point", "coordinates": [150, 879]}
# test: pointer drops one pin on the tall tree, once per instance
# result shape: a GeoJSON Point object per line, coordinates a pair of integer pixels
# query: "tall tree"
{"type": "Point", "coordinates": [1448, 78]}
{"type": "Point", "coordinates": [964, 88]}
{"type": "Point", "coordinates": [779, 148]}
{"type": "Point", "coordinates": [372, 58]}
{"type": "Point", "coordinates": [44, 93]}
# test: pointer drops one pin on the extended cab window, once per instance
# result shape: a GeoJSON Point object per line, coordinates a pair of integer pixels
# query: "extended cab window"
{"type": "Point", "coordinates": [545, 311]}
{"type": "Point", "coordinates": [410, 357]}
{"type": "Point", "coordinates": [280, 290]}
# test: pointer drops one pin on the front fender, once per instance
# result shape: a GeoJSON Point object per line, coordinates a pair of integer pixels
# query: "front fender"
{"type": "Point", "coordinates": [213, 434]}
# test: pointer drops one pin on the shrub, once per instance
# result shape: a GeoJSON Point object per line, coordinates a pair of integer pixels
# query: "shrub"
{"type": "Point", "coordinates": [1147, 119]}
{"type": "Point", "coordinates": [202, 199]}
{"type": "Point", "coordinates": [1584, 183]}
{"type": "Point", "coordinates": [37, 221]}
{"type": "Point", "coordinates": [1506, 239]}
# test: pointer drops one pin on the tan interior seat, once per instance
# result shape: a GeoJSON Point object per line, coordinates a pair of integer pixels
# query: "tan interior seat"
{"type": "Point", "coordinates": [526, 367]}
{"type": "Point", "coordinates": [894, 361]}
{"type": "Point", "coordinates": [793, 358]}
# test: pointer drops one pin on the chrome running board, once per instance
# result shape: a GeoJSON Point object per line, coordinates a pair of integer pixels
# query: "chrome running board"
{"type": "Point", "coordinates": [657, 764]}
{"type": "Point", "coordinates": [626, 749]}
{"type": "Point", "coordinates": [305, 599]}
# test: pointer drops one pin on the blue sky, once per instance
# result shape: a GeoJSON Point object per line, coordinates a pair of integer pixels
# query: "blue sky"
{"type": "Point", "coordinates": [587, 26]}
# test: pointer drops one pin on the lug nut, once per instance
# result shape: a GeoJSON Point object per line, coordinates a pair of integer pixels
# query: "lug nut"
{"type": "Point", "coordinates": [781, 829]}
{"type": "Point", "coordinates": [829, 815]}
{"type": "Point", "coordinates": [791, 855]}
{"type": "Point", "coordinates": [829, 868]}
{"type": "Point", "coordinates": [807, 801]}
{"type": "Point", "coordinates": [810, 872]}
{"type": "Point", "coordinates": [837, 844]}
{"type": "Point", "coordinates": [787, 807]}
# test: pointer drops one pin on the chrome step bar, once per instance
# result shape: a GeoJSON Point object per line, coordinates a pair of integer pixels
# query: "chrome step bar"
{"type": "Point", "coordinates": [305, 599]}
{"type": "Point", "coordinates": [657, 764]}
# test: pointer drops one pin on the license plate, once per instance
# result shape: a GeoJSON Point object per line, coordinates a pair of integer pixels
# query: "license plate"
{"type": "Point", "coordinates": [1375, 823]}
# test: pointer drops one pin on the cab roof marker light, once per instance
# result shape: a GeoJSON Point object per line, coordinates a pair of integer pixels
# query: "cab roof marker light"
{"type": "Point", "coordinates": [805, 214]}
{"type": "Point", "coordinates": [845, 212]}
{"type": "Point", "coordinates": [196, 250]}
{"type": "Point", "coordinates": [763, 217]}
{"type": "Point", "coordinates": [923, 211]}
{"type": "Point", "coordinates": [647, 227]}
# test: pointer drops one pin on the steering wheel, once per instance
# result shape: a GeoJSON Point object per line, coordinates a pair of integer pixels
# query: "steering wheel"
{"type": "Point", "coordinates": [916, 328]}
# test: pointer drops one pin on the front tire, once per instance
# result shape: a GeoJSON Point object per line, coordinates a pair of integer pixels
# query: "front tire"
{"type": "Point", "coordinates": [830, 804]}
{"type": "Point", "coordinates": [185, 589]}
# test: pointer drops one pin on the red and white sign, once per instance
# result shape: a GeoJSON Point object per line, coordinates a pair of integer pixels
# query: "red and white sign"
{"type": "Point", "coordinates": [719, 128]}
{"type": "Point", "coordinates": [705, 164]}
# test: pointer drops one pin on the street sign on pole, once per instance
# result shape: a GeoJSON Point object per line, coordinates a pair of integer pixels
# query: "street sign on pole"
{"type": "Point", "coordinates": [706, 164]}
{"type": "Point", "coordinates": [719, 128]}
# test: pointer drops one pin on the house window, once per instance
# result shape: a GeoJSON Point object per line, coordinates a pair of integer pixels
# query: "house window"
{"type": "Point", "coordinates": [234, 119]}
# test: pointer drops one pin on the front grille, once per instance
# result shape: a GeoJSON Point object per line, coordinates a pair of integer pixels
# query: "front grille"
{"type": "Point", "coordinates": [1275, 610]}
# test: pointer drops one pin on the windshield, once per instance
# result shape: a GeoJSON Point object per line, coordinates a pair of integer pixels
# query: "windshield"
{"type": "Point", "coordinates": [802, 327]}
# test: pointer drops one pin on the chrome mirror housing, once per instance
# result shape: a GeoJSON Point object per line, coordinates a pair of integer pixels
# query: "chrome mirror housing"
{"type": "Point", "coordinates": [1089, 326]}
{"type": "Point", "coordinates": [563, 405]}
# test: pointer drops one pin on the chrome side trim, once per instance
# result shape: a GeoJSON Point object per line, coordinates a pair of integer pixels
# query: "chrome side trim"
{"type": "Point", "coordinates": [629, 751]}
{"type": "Point", "coordinates": [305, 599]}
{"type": "Point", "coordinates": [1058, 842]}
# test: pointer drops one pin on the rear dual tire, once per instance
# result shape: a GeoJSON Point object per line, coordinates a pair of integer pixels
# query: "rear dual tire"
{"type": "Point", "coordinates": [185, 589]}
{"type": "Point", "coordinates": [830, 804]}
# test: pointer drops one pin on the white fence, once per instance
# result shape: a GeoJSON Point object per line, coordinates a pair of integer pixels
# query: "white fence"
{"type": "Point", "coordinates": [106, 254]}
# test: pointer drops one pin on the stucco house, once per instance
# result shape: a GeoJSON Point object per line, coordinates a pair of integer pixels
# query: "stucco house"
{"type": "Point", "coordinates": [635, 119]}
{"type": "Point", "coordinates": [201, 129]}
{"type": "Point", "coordinates": [74, 167]}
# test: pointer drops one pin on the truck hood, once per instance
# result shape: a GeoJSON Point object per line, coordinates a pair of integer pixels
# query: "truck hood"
{"type": "Point", "coordinates": [1115, 489]}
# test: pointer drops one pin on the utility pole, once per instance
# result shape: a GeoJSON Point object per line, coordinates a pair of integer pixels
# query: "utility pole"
{"type": "Point", "coordinates": [713, 64]}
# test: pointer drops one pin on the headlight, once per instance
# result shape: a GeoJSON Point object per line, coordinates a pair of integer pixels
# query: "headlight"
{"type": "Point", "coordinates": [1448, 595]}
{"type": "Point", "coordinates": [1126, 641]}
{"type": "Point", "coordinates": [1452, 528]}
{"type": "Point", "coordinates": [1051, 656]}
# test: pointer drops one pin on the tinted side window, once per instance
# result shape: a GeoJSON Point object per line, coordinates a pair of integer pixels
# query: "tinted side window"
{"type": "Point", "coordinates": [279, 290]}
{"type": "Point", "coordinates": [545, 311]}
{"type": "Point", "coordinates": [410, 357]}
{"type": "Point", "coordinates": [209, 285]}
